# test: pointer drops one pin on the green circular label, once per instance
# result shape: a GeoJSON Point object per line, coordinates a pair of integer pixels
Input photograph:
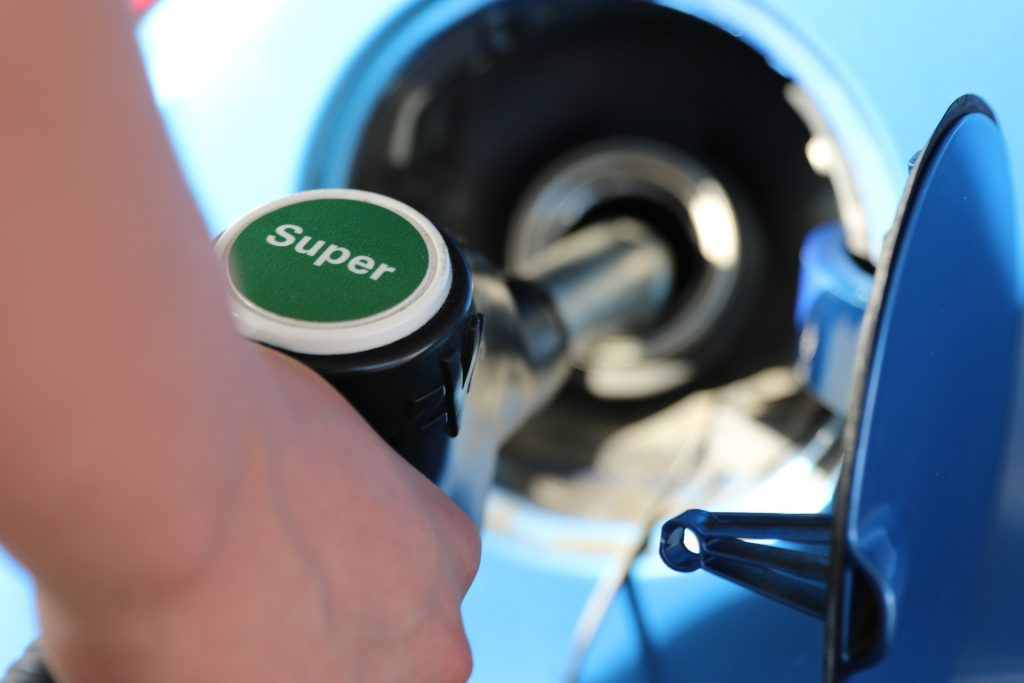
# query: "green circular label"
{"type": "Point", "coordinates": [328, 260]}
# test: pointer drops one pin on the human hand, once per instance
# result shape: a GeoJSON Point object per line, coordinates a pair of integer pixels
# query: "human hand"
{"type": "Point", "coordinates": [334, 561]}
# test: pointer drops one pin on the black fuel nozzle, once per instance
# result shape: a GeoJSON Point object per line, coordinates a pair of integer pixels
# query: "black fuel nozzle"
{"type": "Point", "coordinates": [374, 298]}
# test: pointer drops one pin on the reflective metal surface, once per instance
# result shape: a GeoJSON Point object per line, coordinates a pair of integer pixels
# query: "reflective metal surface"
{"type": "Point", "coordinates": [605, 279]}
{"type": "Point", "coordinates": [711, 245]}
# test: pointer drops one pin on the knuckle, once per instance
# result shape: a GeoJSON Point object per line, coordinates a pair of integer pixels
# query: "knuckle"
{"type": "Point", "coordinates": [464, 540]}
{"type": "Point", "coordinates": [470, 539]}
{"type": "Point", "coordinates": [457, 536]}
{"type": "Point", "coordinates": [457, 661]}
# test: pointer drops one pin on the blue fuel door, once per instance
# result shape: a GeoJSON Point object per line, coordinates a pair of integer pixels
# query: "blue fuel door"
{"type": "Point", "coordinates": [918, 573]}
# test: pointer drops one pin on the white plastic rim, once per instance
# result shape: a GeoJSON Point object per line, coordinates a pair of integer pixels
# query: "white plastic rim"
{"type": "Point", "coordinates": [355, 336]}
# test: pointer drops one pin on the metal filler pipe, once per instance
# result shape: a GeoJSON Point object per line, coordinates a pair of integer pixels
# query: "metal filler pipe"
{"type": "Point", "coordinates": [605, 278]}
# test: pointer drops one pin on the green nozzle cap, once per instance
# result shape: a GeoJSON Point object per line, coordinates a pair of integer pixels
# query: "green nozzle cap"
{"type": "Point", "coordinates": [335, 271]}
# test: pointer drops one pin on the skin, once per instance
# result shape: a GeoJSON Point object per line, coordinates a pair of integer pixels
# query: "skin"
{"type": "Point", "coordinates": [192, 506]}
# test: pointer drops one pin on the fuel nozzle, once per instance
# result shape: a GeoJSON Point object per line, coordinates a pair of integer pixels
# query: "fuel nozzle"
{"type": "Point", "coordinates": [372, 296]}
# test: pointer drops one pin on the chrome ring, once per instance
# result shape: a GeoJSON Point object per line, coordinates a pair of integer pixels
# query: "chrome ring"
{"type": "Point", "coordinates": [629, 169]}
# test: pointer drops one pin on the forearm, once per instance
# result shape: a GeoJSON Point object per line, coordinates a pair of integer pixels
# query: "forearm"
{"type": "Point", "coordinates": [124, 393]}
